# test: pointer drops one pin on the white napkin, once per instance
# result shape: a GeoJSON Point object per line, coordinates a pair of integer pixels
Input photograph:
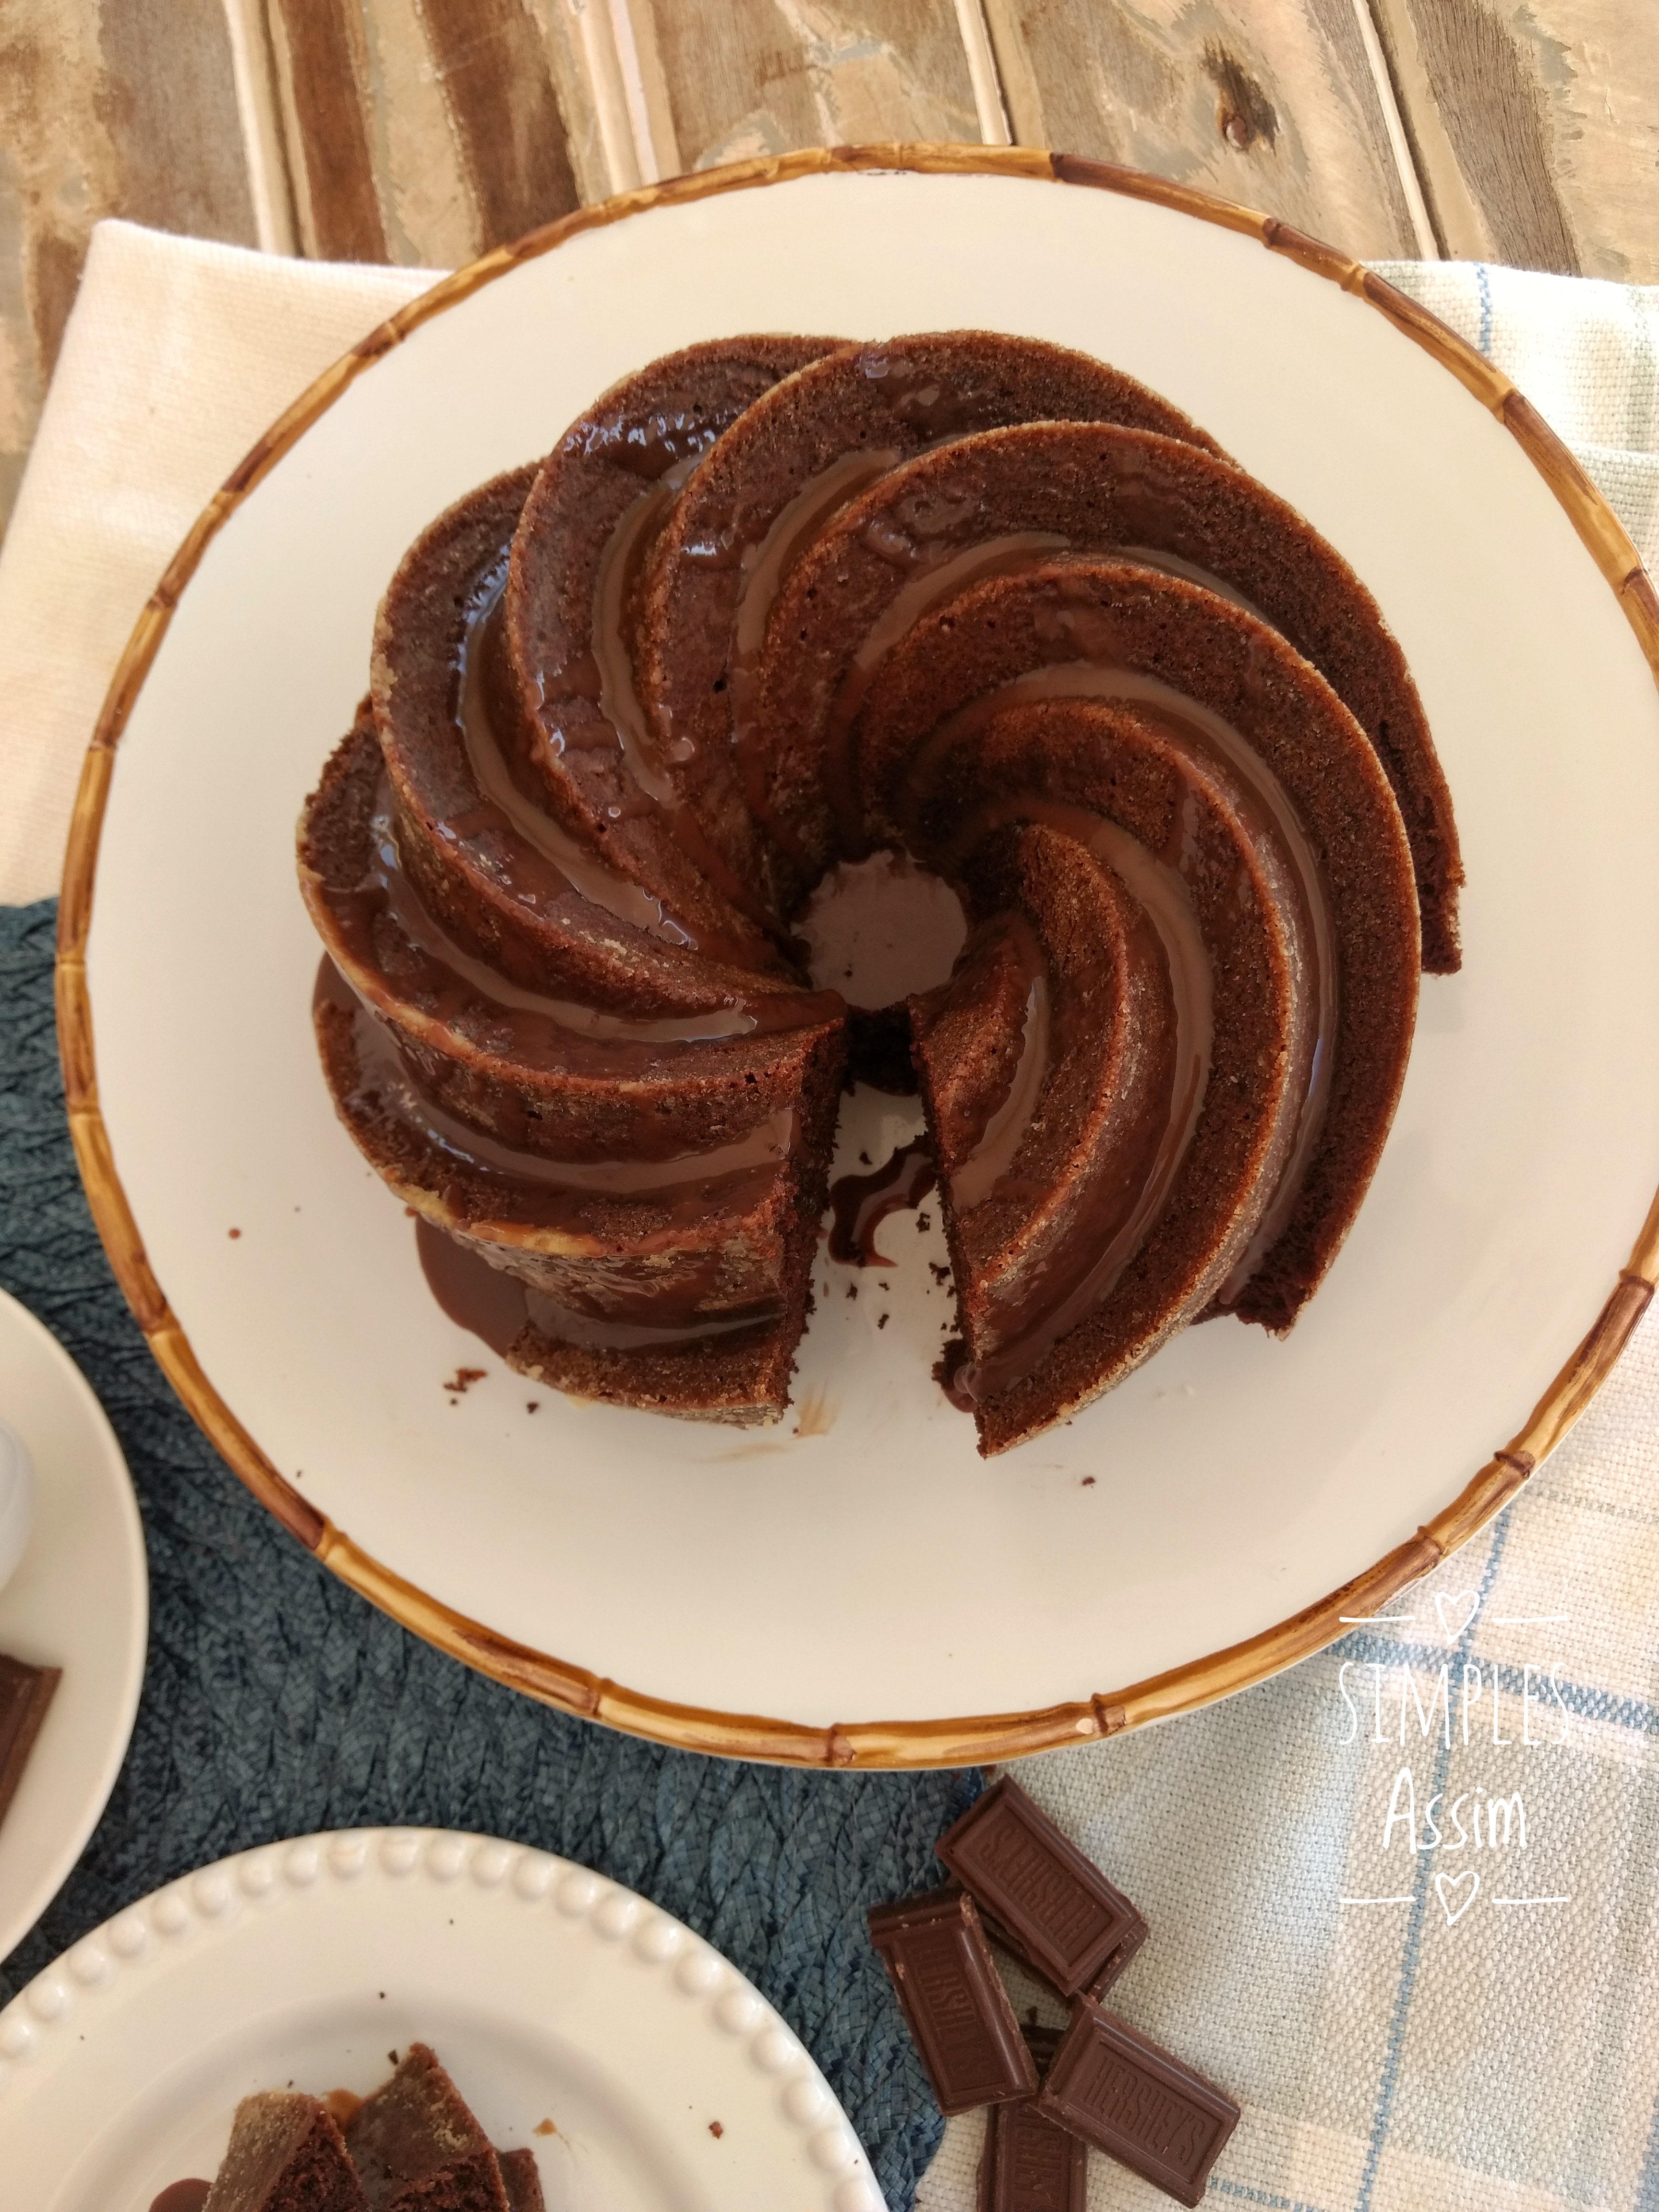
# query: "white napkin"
{"type": "Point", "coordinates": [177, 355]}
{"type": "Point", "coordinates": [1452, 2051]}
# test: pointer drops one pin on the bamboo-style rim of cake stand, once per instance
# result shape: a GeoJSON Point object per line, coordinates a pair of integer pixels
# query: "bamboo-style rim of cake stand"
{"type": "Point", "coordinates": [574, 1689]}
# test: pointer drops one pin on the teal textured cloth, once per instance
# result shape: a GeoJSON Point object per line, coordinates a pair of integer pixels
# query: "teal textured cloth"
{"type": "Point", "coordinates": [276, 1701]}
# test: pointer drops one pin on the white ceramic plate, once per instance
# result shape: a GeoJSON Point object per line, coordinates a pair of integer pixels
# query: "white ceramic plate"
{"type": "Point", "coordinates": [548, 1993]}
{"type": "Point", "coordinates": [79, 1600]}
{"type": "Point", "coordinates": [866, 1563]}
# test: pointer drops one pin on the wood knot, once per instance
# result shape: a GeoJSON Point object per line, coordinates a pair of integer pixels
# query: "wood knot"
{"type": "Point", "coordinates": [1243, 112]}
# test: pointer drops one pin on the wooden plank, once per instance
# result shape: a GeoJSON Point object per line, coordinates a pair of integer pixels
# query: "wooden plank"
{"type": "Point", "coordinates": [505, 114]}
{"type": "Point", "coordinates": [425, 131]}
{"type": "Point", "coordinates": [127, 109]}
{"type": "Point", "coordinates": [1536, 126]}
{"type": "Point", "coordinates": [321, 55]}
{"type": "Point", "coordinates": [777, 74]}
{"type": "Point", "coordinates": [1281, 108]}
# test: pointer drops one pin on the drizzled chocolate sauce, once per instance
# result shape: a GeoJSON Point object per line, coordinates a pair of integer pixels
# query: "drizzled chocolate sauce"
{"type": "Point", "coordinates": [623, 714]}
{"type": "Point", "coordinates": [474, 1295]}
{"type": "Point", "coordinates": [941, 570]}
{"type": "Point", "coordinates": [497, 1308]}
{"type": "Point", "coordinates": [992, 1153]}
{"type": "Point", "coordinates": [764, 566]}
{"type": "Point", "coordinates": [400, 957]}
{"type": "Point", "coordinates": [531, 1186]}
{"type": "Point", "coordinates": [862, 1203]}
{"type": "Point", "coordinates": [1277, 832]}
{"type": "Point", "coordinates": [182, 2197]}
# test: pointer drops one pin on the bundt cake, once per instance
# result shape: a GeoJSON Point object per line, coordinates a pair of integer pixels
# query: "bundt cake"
{"type": "Point", "coordinates": [782, 620]}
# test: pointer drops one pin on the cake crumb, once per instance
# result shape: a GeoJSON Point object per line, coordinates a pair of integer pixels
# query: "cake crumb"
{"type": "Point", "coordinates": [864, 1159]}
{"type": "Point", "coordinates": [716, 2130]}
{"type": "Point", "coordinates": [1088, 1482]}
{"type": "Point", "coordinates": [852, 1290]}
{"type": "Point", "coordinates": [531, 1405]}
{"type": "Point", "coordinates": [940, 1274]}
{"type": "Point", "coordinates": [233, 1232]}
{"type": "Point", "coordinates": [924, 1223]}
{"type": "Point", "coordinates": [465, 1378]}
{"type": "Point", "coordinates": [543, 2127]}
{"type": "Point", "coordinates": [411, 1214]}
{"type": "Point", "coordinates": [392, 2056]}
{"type": "Point", "coordinates": [882, 1320]}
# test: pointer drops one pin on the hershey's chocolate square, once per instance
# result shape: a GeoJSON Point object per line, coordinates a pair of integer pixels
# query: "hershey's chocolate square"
{"type": "Point", "coordinates": [1028, 2164]}
{"type": "Point", "coordinates": [1053, 1908]}
{"type": "Point", "coordinates": [953, 2000]}
{"type": "Point", "coordinates": [25, 1693]}
{"type": "Point", "coordinates": [1132, 2099]}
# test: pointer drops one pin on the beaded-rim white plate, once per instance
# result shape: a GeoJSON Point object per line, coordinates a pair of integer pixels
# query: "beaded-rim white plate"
{"type": "Point", "coordinates": [79, 1599]}
{"type": "Point", "coordinates": [860, 1589]}
{"type": "Point", "coordinates": [549, 1993]}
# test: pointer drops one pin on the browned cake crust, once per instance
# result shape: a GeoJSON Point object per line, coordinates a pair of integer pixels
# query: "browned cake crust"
{"type": "Point", "coordinates": [779, 475]}
{"type": "Point", "coordinates": [1017, 496]}
{"type": "Point", "coordinates": [532, 892]}
{"type": "Point", "coordinates": [1011, 627]}
{"type": "Point", "coordinates": [541, 1074]}
{"type": "Point", "coordinates": [1083, 765]}
{"type": "Point", "coordinates": [584, 538]}
{"type": "Point", "coordinates": [285, 2154]}
{"type": "Point", "coordinates": [711, 1269]}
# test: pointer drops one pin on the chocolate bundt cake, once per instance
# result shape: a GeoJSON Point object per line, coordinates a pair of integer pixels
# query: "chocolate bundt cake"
{"type": "Point", "coordinates": [777, 610]}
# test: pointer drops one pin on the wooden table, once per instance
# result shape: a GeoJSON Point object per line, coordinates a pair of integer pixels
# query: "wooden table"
{"type": "Point", "coordinates": [426, 130]}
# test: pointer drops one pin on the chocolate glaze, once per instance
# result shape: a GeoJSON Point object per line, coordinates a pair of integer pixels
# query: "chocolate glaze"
{"type": "Point", "coordinates": [1107, 1236]}
{"type": "Point", "coordinates": [1270, 814]}
{"type": "Point", "coordinates": [862, 1203]}
{"type": "Point", "coordinates": [942, 570]}
{"type": "Point", "coordinates": [621, 713]}
{"type": "Point", "coordinates": [510, 833]}
{"type": "Point", "coordinates": [399, 955]}
{"type": "Point", "coordinates": [992, 1155]}
{"type": "Point", "coordinates": [498, 1308]}
{"type": "Point", "coordinates": [537, 1188]}
{"type": "Point", "coordinates": [764, 563]}
{"type": "Point", "coordinates": [182, 2197]}
{"type": "Point", "coordinates": [1113, 1206]}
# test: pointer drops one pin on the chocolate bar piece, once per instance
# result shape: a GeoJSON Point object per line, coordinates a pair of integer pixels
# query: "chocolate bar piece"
{"type": "Point", "coordinates": [1042, 1900]}
{"type": "Point", "coordinates": [1028, 2164]}
{"type": "Point", "coordinates": [1129, 2098]}
{"type": "Point", "coordinates": [1116, 1960]}
{"type": "Point", "coordinates": [956, 2006]}
{"type": "Point", "coordinates": [25, 1693]}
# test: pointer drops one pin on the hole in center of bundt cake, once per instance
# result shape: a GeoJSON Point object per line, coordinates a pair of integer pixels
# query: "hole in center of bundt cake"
{"type": "Point", "coordinates": [880, 929]}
